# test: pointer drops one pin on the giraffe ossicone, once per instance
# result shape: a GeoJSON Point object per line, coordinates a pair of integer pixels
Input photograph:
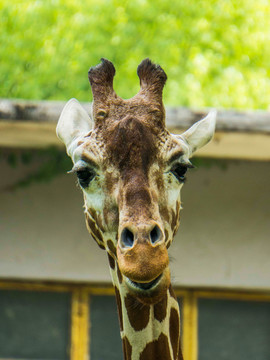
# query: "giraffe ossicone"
{"type": "Point", "coordinates": [131, 171]}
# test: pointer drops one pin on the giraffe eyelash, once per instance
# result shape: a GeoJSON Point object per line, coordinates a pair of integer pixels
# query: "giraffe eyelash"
{"type": "Point", "coordinates": [84, 175]}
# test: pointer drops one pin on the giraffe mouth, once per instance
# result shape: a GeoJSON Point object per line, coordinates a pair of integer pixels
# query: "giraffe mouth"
{"type": "Point", "coordinates": [145, 285]}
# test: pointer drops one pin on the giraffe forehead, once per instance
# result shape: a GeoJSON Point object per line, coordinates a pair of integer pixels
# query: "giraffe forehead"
{"type": "Point", "coordinates": [129, 133]}
{"type": "Point", "coordinates": [132, 145]}
{"type": "Point", "coordinates": [108, 113]}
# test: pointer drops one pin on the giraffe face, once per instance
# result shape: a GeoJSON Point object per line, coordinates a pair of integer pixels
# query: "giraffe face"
{"type": "Point", "coordinates": [131, 171]}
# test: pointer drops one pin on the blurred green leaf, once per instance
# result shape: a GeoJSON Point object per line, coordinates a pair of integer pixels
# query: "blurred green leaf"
{"type": "Point", "coordinates": [12, 160]}
{"type": "Point", "coordinates": [216, 53]}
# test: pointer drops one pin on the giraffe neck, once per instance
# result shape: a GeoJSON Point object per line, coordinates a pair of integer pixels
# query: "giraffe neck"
{"type": "Point", "coordinates": [148, 332]}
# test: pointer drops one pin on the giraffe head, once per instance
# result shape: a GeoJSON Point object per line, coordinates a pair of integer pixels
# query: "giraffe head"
{"type": "Point", "coordinates": [131, 171]}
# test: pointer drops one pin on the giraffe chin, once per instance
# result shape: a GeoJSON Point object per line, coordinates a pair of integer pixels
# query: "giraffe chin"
{"type": "Point", "coordinates": [149, 292]}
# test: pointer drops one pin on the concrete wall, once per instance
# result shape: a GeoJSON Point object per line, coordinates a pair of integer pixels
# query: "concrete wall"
{"type": "Point", "coordinates": [223, 240]}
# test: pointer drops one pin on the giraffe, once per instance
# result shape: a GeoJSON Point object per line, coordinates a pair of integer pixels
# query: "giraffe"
{"type": "Point", "coordinates": [131, 171]}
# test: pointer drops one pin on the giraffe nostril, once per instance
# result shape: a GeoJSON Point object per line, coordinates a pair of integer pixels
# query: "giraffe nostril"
{"type": "Point", "coordinates": [127, 238]}
{"type": "Point", "coordinates": [155, 234]}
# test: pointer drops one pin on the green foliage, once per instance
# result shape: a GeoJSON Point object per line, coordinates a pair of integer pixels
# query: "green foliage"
{"type": "Point", "coordinates": [52, 162]}
{"type": "Point", "coordinates": [215, 52]}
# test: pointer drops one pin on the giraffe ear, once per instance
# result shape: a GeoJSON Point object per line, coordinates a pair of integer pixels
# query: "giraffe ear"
{"type": "Point", "coordinates": [200, 133]}
{"type": "Point", "coordinates": [73, 123]}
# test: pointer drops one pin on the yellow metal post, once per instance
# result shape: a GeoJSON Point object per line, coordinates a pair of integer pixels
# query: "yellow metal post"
{"type": "Point", "coordinates": [190, 322]}
{"type": "Point", "coordinates": [79, 325]}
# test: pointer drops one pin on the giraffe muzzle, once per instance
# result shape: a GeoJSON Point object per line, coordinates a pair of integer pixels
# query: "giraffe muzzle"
{"type": "Point", "coordinates": [143, 262]}
{"type": "Point", "coordinates": [128, 237]}
{"type": "Point", "coordinates": [143, 258]}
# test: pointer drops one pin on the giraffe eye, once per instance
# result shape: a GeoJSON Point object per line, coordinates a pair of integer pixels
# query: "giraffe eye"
{"type": "Point", "coordinates": [85, 176]}
{"type": "Point", "coordinates": [179, 171]}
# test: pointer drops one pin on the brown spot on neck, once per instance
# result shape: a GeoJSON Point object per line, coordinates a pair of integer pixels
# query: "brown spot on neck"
{"type": "Point", "coordinates": [160, 309]}
{"type": "Point", "coordinates": [127, 348]}
{"type": "Point", "coordinates": [157, 349]}
{"type": "Point", "coordinates": [138, 313]}
{"type": "Point", "coordinates": [119, 307]}
{"type": "Point", "coordinates": [174, 332]}
{"type": "Point", "coordinates": [119, 275]}
{"type": "Point", "coordinates": [171, 291]}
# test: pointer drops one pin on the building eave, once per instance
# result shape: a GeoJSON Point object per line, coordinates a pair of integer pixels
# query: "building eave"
{"type": "Point", "coordinates": [240, 135]}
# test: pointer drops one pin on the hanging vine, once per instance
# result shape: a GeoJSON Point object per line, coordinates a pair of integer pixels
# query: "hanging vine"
{"type": "Point", "coordinates": [52, 163]}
